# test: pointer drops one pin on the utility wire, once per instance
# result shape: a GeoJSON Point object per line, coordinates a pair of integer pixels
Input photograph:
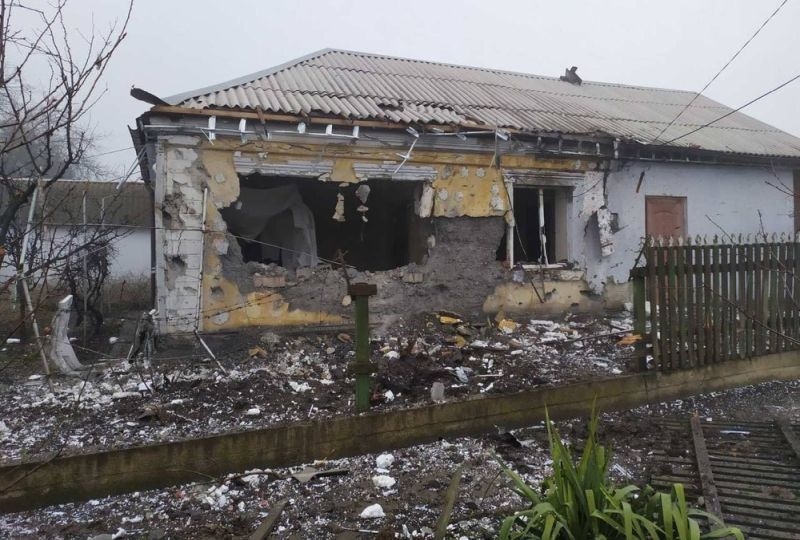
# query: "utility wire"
{"type": "Point", "coordinates": [762, 96]}
{"type": "Point", "coordinates": [714, 78]}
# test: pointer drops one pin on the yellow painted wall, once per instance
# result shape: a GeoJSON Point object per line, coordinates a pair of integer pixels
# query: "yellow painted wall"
{"type": "Point", "coordinates": [465, 185]}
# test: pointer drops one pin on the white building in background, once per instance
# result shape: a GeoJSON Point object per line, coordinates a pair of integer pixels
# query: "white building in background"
{"type": "Point", "coordinates": [128, 211]}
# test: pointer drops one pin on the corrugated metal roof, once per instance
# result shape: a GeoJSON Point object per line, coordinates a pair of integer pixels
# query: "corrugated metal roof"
{"type": "Point", "coordinates": [364, 86]}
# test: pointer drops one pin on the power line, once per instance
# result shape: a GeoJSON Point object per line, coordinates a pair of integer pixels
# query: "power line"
{"type": "Point", "coordinates": [112, 152]}
{"type": "Point", "coordinates": [765, 94]}
{"type": "Point", "coordinates": [714, 78]}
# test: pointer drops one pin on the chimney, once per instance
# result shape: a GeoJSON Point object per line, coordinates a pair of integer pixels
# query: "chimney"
{"type": "Point", "coordinates": [571, 76]}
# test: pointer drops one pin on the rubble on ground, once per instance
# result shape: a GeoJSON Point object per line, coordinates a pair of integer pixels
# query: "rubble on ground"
{"type": "Point", "coordinates": [335, 506]}
{"type": "Point", "coordinates": [272, 379]}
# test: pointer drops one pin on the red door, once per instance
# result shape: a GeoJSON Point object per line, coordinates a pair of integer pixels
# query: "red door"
{"type": "Point", "coordinates": [665, 216]}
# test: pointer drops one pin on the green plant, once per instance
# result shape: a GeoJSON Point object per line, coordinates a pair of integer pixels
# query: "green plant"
{"type": "Point", "coordinates": [578, 502]}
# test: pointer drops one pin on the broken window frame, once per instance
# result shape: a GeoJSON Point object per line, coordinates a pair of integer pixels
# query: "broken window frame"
{"type": "Point", "coordinates": [511, 228]}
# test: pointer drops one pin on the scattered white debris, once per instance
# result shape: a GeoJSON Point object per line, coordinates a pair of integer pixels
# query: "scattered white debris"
{"type": "Point", "coordinates": [144, 387]}
{"type": "Point", "coordinates": [384, 461]}
{"type": "Point", "coordinates": [373, 511]}
{"type": "Point", "coordinates": [388, 396]}
{"type": "Point", "coordinates": [255, 411]}
{"type": "Point", "coordinates": [3, 427]}
{"type": "Point", "coordinates": [35, 377]}
{"type": "Point", "coordinates": [112, 340]}
{"type": "Point", "coordinates": [383, 481]}
{"type": "Point", "coordinates": [124, 395]}
{"type": "Point", "coordinates": [461, 374]}
{"type": "Point", "coordinates": [12, 341]}
{"type": "Point", "coordinates": [299, 387]}
{"type": "Point", "coordinates": [437, 392]}
{"type": "Point", "coordinates": [392, 355]}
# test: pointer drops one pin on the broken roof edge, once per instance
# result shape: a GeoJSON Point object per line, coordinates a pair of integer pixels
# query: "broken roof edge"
{"type": "Point", "coordinates": [238, 81]}
{"type": "Point", "coordinates": [727, 156]}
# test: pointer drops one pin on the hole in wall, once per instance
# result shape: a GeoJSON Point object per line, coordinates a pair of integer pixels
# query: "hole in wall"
{"type": "Point", "coordinates": [297, 222]}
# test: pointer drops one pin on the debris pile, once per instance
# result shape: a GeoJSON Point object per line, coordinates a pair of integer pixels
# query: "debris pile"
{"type": "Point", "coordinates": [270, 379]}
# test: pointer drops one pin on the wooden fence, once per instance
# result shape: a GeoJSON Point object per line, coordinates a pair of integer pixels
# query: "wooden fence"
{"type": "Point", "coordinates": [730, 298]}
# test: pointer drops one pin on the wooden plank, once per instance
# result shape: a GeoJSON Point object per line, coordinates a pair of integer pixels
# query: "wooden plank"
{"type": "Point", "coordinates": [672, 304]}
{"type": "Point", "coordinates": [708, 289]}
{"type": "Point", "coordinates": [788, 304]}
{"type": "Point", "coordinates": [681, 303]}
{"type": "Point", "coordinates": [791, 437]}
{"type": "Point", "coordinates": [652, 291]}
{"type": "Point", "coordinates": [699, 296]}
{"type": "Point", "coordinates": [750, 270]}
{"type": "Point", "coordinates": [691, 344]}
{"type": "Point", "coordinates": [758, 297]}
{"type": "Point", "coordinates": [270, 521]}
{"type": "Point", "coordinates": [716, 316]}
{"type": "Point", "coordinates": [707, 483]}
{"type": "Point", "coordinates": [741, 312]}
{"type": "Point", "coordinates": [782, 299]}
{"type": "Point", "coordinates": [663, 308]}
{"type": "Point", "coordinates": [795, 287]}
{"type": "Point", "coordinates": [773, 296]}
{"type": "Point", "coordinates": [724, 304]}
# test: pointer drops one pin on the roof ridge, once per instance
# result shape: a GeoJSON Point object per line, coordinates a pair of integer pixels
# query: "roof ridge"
{"type": "Point", "coordinates": [714, 105]}
{"type": "Point", "coordinates": [493, 70]}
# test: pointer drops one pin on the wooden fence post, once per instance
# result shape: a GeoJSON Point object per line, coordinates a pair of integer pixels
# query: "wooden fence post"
{"type": "Point", "coordinates": [639, 317]}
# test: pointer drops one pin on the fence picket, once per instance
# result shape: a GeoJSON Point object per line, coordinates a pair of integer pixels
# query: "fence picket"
{"type": "Point", "coordinates": [741, 306]}
{"type": "Point", "coordinates": [688, 261]}
{"type": "Point", "coordinates": [681, 304]}
{"type": "Point", "coordinates": [652, 292]}
{"type": "Point", "coordinates": [699, 319]}
{"type": "Point", "coordinates": [724, 306]}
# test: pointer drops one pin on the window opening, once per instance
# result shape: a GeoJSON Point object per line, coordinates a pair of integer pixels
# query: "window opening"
{"type": "Point", "coordinates": [533, 232]}
{"type": "Point", "coordinates": [375, 228]}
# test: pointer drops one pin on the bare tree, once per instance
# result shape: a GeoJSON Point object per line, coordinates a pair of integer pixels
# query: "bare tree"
{"type": "Point", "coordinates": [43, 132]}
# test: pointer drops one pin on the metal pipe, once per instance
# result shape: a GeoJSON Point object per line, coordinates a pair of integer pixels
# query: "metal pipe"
{"type": "Point", "coordinates": [542, 235]}
{"type": "Point", "coordinates": [23, 279]}
{"type": "Point", "coordinates": [198, 319]}
{"type": "Point", "coordinates": [510, 225]}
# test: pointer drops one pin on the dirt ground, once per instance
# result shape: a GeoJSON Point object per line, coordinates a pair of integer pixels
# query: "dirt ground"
{"type": "Point", "coordinates": [330, 507]}
{"type": "Point", "coordinates": [266, 379]}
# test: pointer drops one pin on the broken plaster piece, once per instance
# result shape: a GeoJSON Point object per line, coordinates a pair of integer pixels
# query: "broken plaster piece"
{"type": "Point", "coordinates": [593, 198]}
{"type": "Point", "coordinates": [221, 245]}
{"type": "Point", "coordinates": [338, 213]}
{"type": "Point", "coordinates": [426, 201]}
{"type": "Point", "coordinates": [220, 318]}
{"type": "Point", "coordinates": [604, 218]}
{"type": "Point", "coordinates": [362, 192]}
{"type": "Point", "coordinates": [373, 511]}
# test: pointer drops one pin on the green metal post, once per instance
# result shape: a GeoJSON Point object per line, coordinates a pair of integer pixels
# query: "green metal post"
{"type": "Point", "coordinates": [362, 367]}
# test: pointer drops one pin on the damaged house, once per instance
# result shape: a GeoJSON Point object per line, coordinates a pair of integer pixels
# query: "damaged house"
{"type": "Point", "coordinates": [450, 187]}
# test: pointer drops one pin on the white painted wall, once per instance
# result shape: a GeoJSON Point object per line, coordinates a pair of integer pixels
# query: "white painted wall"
{"type": "Point", "coordinates": [132, 259]}
{"type": "Point", "coordinates": [721, 200]}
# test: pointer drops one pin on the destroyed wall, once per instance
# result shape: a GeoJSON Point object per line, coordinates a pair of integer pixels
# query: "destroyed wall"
{"type": "Point", "coordinates": [721, 200]}
{"type": "Point", "coordinates": [457, 223]}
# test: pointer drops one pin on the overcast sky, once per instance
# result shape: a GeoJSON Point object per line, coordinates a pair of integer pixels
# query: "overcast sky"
{"type": "Point", "coordinates": [179, 45]}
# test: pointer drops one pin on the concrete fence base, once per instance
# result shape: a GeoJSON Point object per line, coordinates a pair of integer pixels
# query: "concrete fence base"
{"type": "Point", "coordinates": [80, 477]}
